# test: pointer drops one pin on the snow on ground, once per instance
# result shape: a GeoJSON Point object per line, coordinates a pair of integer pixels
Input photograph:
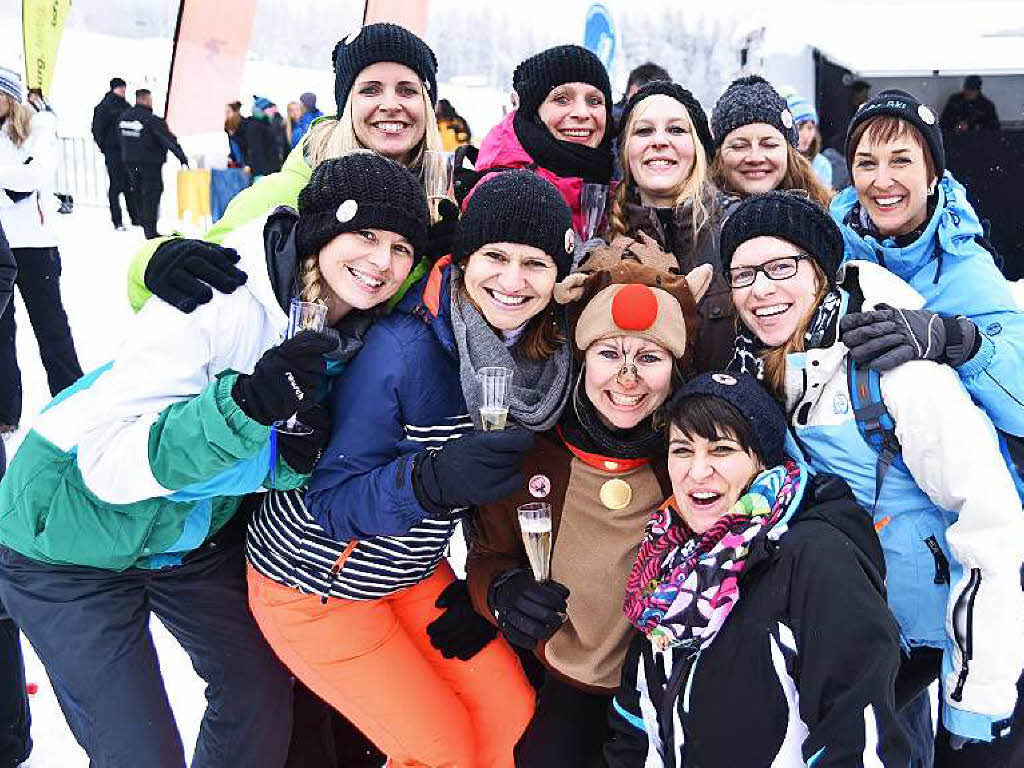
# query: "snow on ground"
{"type": "Point", "coordinates": [95, 262]}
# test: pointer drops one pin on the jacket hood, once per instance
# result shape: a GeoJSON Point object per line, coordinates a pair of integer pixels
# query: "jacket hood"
{"type": "Point", "coordinates": [430, 300]}
{"type": "Point", "coordinates": [951, 230]}
{"type": "Point", "coordinates": [111, 99]}
{"type": "Point", "coordinates": [877, 285]}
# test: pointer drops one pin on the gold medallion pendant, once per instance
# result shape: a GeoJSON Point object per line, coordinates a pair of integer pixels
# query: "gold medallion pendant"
{"type": "Point", "coordinates": [616, 494]}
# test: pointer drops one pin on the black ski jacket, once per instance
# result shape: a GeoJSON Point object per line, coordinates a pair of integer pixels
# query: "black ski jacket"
{"type": "Point", "coordinates": [145, 138]}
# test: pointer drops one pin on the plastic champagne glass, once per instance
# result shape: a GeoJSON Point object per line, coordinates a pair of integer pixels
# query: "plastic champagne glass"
{"type": "Point", "coordinates": [495, 385]}
{"type": "Point", "coordinates": [302, 316]}
{"type": "Point", "coordinates": [535, 527]}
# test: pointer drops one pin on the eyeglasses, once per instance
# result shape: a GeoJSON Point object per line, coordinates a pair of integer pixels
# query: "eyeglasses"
{"type": "Point", "coordinates": [782, 268]}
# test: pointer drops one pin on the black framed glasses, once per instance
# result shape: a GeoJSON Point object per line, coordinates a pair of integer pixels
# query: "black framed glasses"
{"type": "Point", "coordinates": [781, 268]}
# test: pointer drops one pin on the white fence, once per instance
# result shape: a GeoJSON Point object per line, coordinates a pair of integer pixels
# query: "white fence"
{"type": "Point", "coordinates": [81, 172]}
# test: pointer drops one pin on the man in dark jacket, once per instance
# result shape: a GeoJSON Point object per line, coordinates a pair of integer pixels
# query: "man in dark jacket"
{"type": "Point", "coordinates": [145, 140]}
{"type": "Point", "coordinates": [264, 142]}
{"type": "Point", "coordinates": [105, 118]}
{"type": "Point", "coordinates": [15, 722]}
{"type": "Point", "coordinates": [969, 110]}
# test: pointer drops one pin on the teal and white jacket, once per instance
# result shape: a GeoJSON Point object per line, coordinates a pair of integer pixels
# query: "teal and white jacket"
{"type": "Point", "coordinates": [956, 276]}
{"type": "Point", "coordinates": [145, 458]}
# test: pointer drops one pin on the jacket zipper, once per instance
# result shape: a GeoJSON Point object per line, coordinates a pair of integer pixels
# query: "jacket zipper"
{"type": "Point", "coordinates": [670, 700]}
{"type": "Point", "coordinates": [941, 564]}
{"type": "Point", "coordinates": [963, 629]}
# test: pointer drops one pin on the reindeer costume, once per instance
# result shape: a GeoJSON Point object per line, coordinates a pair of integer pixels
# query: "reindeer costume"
{"type": "Point", "coordinates": [602, 483]}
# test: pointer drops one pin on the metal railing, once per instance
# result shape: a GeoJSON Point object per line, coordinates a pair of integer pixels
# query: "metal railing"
{"type": "Point", "coordinates": [81, 171]}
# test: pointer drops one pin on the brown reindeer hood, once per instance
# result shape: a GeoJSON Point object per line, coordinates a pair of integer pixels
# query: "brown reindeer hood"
{"type": "Point", "coordinates": [627, 288]}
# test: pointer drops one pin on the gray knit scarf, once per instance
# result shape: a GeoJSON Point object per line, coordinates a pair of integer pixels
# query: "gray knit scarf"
{"type": "Point", "coordinates": [540, 389]}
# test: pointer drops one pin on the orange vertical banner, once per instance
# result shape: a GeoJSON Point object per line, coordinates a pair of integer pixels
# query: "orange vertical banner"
{"type": "Point", "coordinates": [210, 46]}
{"type": "Point", "coordinates": [411, 14]}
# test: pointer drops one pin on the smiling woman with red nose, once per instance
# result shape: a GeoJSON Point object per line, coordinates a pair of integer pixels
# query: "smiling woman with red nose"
{"type": "Point", "coordinates": [601, 472]}
{"type": "Point", "coordinates": [562, 127]}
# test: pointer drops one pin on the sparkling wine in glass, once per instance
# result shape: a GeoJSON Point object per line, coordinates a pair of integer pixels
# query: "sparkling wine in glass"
{"type": "Point", "coordinates": [438, 170]}
{"type": "Point", "coordinates": [302, 316]}
{"type": "Point", "coordinates": [535, 526]}
{"type": "Point", "coordinates": [593, 197]}
{"type": "Point", "coordinates": [495, 385]}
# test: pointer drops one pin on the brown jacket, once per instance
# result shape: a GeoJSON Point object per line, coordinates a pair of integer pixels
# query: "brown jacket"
{"type": "Point", "coordinates": [593, 549]}
{"type": "Point", "coordinates": [713, 348]}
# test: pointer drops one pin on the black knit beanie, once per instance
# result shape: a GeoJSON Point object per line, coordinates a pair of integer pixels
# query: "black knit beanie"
{"type": "Point", "coordinates": [684, 97]}
{"type": "Point", "coordinates": [905, 106]}
{"type": "Point", "coordinates": [381, 42]}
{"type": "Point", "coordinates": [361, 190]}
{"type": "Point", "coordinates": [534, 78]}
{"type": "Point", "coordinates": [746, 395]}
{"type": "Point", "coordinates": [749, 100]}
{"type": "Point", "coordinates": [517, 207]}
{"type": "Point", "coordinates": [789, 216]}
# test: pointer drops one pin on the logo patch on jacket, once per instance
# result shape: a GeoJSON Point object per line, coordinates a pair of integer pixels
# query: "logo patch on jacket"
{"type": "Point", "coordinates": [841, 403]}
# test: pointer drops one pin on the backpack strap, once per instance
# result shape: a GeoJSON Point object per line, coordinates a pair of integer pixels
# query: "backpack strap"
{"type": "Point", "coordinates": [873, 420]}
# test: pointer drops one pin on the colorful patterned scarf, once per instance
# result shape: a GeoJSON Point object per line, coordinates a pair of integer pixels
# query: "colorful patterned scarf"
{"type": "Point", "coordinates": [683, 585]}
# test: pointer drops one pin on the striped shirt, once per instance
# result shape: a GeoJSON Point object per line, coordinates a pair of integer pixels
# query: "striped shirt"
{"type": "Point", "coordinates": [286, 544]}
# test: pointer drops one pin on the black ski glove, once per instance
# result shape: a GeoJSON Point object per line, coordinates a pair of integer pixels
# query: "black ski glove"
{"type": "Point", "coordinates": [441, 234]}
{"type": "Point", "coordinates": [181, 272]}
{"type": "Point", "coordinates": [888, 337]}
{"type": "Point", "coordinates": [302, 452]}
{"type": "Point", "coordinates": [285, 379]}
{"type": "Point", "coordinates": [460, 632]}
{"type": "Point", "coordinates": [527, 611]}
{"type": "Point", "coordinates": [476, 468]}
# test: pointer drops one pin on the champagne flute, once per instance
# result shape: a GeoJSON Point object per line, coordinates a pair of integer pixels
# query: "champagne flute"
{"type": "Point", "coordinates": [535, 527]}
{"type": "Point", "coordinates": [593, 197]}
{"type": "Point", "coordinates": [302, 316]}
{"type": "Point", "coordinates": [438, 170]}
{"type": "Point", "coordinates": [495, 385]}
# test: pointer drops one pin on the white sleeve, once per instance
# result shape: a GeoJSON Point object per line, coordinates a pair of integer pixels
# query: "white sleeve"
{"type": "Point", "coordinates": [951, 450]}
{"type": "Point", "coordinates": [41, 146]}
{"type": "Point", "coordinates": [168, 356]}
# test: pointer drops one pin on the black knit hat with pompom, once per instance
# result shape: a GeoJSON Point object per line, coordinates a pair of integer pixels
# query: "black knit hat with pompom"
{"type": "Point", "coordinates": [750, 100]}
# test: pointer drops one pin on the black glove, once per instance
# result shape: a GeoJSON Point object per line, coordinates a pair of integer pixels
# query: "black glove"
{"type": "Point", "coordinates": [285, 379]}
{"type": "Point", "coordinates": [476, 468]}
{"type": "Point", "coordinates": [441, 234]}
{"type": "Point", "coordinates": [528, 611]}
{"type": "Point", "coordinates": [181, 272]}
{"type": "Point", "coordinates": [888, 337]}
{"type": "Point", "coordinates": [302, 452]}
{"type": "Point", "coordinates": [460, 632]}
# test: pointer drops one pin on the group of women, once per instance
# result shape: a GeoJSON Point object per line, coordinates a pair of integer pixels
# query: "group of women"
{"type": "Point", "coordinates": [778, 442]}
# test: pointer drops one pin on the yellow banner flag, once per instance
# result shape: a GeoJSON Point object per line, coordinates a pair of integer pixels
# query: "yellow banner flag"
{"type": "Point", "coordinates": [42, 25]}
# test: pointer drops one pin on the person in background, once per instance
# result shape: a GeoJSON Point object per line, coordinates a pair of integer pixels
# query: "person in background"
{"type": "Point", "coordinates": [145, 141]}
{"type": "Point", "coordinates": [970, 110]}
{"type": "Point", "coordinates": [105, 119]}
{"type": "Point", "coordinates": [280, 126]}
{"type": "Point", "coordinates": [233, 121]}
{"type": "Point", "coordinates": [263, 140]}
{"type": "Point", "coordinates": [665, 150]}
{"type": "Point", "coordinates": [639, 76]}
{"type": "Point", "coordinates": [809, 137]}
{"type": "Point", "coordinates": [453, 126]}
{"type": "Point", "coordinates": [28, 213]}
{"type": "Point", "coordinates": [15, 718]}
{"type": "Point", "coordinates": [757, 145]}
{"type": "Point", "coordinates": [759, 596]}
{"type": "Point", "coordinates": [309, 114]}
{"type": "Point", "coordinates": [294, 111]}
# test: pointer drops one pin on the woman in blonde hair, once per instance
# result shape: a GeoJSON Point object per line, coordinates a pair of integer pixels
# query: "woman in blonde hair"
{"type": "Point", "coordinates": [666, 193]}
{"type": "Point", "coordinates": [757, 141]}
{"type": "Point", "coordinates": [386, 89]}
{"type": "Point", "coordinates": [28, 212]}
{"type": "Point", "coordinates": [113, 507]}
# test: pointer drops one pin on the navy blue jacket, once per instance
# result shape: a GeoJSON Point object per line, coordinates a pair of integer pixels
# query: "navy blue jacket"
{"type": "Point", "coordinates": [400, 395]}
